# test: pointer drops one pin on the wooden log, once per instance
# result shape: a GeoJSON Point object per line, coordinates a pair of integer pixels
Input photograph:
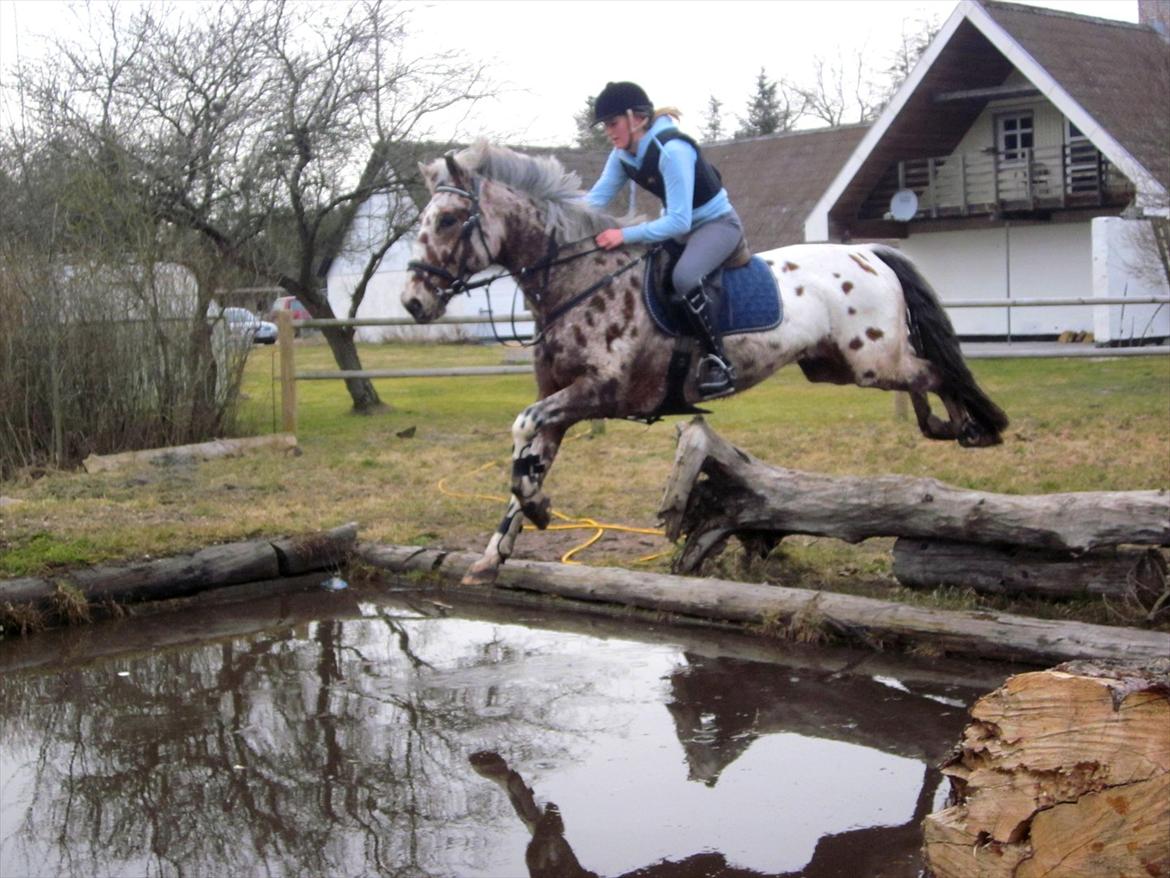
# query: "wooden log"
{"type": "Point", "coordinates": [100, 463]}
{"type": "Point", "coordinates": [1014, 570]}
{"type": "Point", "coordinates": [320, 551]}
{"type": "Point", "coordinates": [1062, 772]}
{"type": "Point", "coordinates": [800, 612]}
{"type": "Point", "coordinates": [182, 575]}
{"type": "Point", "coordinates": [744, 496]}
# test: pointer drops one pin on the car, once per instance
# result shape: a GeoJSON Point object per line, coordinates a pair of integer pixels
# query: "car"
{"type": "Point", "coordinates": [242, 323]}
{"type": "Point", "coordinates": [288, 303]}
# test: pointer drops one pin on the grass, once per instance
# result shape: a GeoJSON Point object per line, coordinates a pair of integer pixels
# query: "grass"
{"type": "Point", "coordinates": [1077, 425]}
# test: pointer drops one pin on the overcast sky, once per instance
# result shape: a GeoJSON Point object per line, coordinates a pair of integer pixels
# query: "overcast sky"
{"type": "Point", "coordinates": [551, 54]}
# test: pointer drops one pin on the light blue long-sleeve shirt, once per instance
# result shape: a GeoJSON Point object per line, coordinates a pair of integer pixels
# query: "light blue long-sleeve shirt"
{"type": "Point", "coordinates": [676, 164]}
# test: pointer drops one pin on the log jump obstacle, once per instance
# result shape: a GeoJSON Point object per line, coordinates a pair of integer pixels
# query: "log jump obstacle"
{"type": "Point", "coordinates": [1055, 545]}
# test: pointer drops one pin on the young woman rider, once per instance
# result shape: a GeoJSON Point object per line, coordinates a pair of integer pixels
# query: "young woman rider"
{"type": "Point", "coordinates": [649, 149]}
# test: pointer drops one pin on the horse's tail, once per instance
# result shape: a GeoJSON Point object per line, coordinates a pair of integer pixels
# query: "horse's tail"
{"type": "Point", "coordinates": [934, 337]}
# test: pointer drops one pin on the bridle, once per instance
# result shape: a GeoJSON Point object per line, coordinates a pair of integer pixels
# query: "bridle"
{"type": "Point", "coordinates": [459, 283]}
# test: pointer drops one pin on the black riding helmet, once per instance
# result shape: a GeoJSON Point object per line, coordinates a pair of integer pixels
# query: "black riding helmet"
{"type": "Point", "coordinates": [617, 97]}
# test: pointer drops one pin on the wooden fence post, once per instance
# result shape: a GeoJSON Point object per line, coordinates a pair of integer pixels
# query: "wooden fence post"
{"type": "Point", "coordinates": [288, 380]}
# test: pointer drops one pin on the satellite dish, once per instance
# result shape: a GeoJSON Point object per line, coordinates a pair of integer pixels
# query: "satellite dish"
{"type": "Point", "coordinates": [904, 205]}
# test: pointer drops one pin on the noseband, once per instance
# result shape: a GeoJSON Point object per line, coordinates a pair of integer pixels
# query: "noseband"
{"type": "Point", "coordinates": [457, 283]}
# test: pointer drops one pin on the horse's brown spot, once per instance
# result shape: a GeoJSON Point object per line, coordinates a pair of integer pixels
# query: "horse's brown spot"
{"type": "Point", "coordinates": [852, 310]}
{"type": "Point", "coordinates": [589, 319]}
{"type": "Point", "coordinates": [633, 332]}
{"type": "Point", "coordinates": [597, 303]}
{"type": "Point", "coordinates": [856, 344]}
{"type": "Point", "coordinates": [790, 266]}
{"type": "Point", "coordinates": [800, 291]}
{"type": "Point", "coordinates": [869, 374]}
{"type": "Point", "coordinates": [835, 274]}
{"type": "Point", "coordinates": [423, 238]}
{"type": "Point", "coordinates": [612, 332]}
{"type": "Point", "coordinates": [578, 336]}
{"type": "Point", "coordinates": [846, 287]}
{"type": "Point", "coordinates": [628, 306]}
{"type": "Point", "coordinates": [863, 262]}
{"type": "Point", "coordinates": [599, 260]}
{"type": "Point", "coordinates": [874, 333]}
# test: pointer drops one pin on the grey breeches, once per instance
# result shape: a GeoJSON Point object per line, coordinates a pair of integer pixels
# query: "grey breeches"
{"type": "Point", "coordinates": [707, 248]}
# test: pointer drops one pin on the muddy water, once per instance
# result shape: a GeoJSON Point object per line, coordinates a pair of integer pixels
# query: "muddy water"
{"type": "Point", "coordinates": [345, 735]}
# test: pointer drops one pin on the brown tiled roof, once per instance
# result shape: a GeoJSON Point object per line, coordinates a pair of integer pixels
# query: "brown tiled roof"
{"type": "Point", "coordinates": [775, 181]}
{"type": "Point", "coordinates": [1118, 72]}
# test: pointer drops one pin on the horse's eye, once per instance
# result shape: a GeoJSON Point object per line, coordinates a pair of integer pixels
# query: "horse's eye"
{"type": "Point", "coordinates": [447, 220]}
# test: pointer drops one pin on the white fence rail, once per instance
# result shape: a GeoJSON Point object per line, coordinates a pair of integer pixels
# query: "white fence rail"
{"type": "Point", "coordinates": [289, 376]}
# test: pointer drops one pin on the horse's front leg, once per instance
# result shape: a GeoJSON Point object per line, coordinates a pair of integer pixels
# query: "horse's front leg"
{"type": "Point", "coordinates": [536, 436]}
{"type": "Point", "coordinates": [532, 456]}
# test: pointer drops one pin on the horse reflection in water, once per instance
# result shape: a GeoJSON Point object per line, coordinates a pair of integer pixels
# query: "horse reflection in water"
{"type": "Point", "coordinates": [720, 706]}
{"type": "Point", "coordinates": [549, 854]}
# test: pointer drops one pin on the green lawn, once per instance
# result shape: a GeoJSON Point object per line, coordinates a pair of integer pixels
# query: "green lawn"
{"type": "Point", "coordinates": [1076, 425]}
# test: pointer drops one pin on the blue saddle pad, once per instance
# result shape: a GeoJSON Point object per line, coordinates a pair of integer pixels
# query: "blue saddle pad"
{"type": "Point", "coordinates": [751, 302]}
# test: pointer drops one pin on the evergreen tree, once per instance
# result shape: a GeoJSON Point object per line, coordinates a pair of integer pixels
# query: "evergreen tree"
{"type": "Point", "coordinates": [713, 120]}
{"type": "Point", "coordinates": [589, 137]}
{"type": "Point", "coordinates": [769, 110]}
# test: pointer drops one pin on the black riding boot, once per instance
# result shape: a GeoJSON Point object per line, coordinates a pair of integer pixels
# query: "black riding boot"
{"type": "Point", "coordinates": [716, 374]}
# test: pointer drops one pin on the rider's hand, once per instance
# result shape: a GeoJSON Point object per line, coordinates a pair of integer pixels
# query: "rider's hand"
{"type": "Point", "coordinates": [609, 239]}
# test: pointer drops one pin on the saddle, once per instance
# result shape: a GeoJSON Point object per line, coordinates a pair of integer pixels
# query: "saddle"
{"type": "Point", "coordinates": [743, 291]}
{"type": "Point", "coordinates": [744, 298]}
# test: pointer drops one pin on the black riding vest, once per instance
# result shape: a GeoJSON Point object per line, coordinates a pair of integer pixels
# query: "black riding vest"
{"type": "Point", "coordinates": [708, 182]}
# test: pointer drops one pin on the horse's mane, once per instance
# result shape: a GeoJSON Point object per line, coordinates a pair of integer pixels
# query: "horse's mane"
{"type": "Point", "coordinates": [569, 217]}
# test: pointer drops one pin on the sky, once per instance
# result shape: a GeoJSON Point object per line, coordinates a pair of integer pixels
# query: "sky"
{"type": "Point", "coordinates": [549, 56]}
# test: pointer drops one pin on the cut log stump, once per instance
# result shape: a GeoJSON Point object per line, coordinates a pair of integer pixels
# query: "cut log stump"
{"type": "Point", "coordinates": [1064, 772]}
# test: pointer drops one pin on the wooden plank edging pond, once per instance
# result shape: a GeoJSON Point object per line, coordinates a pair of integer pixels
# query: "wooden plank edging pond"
{"type": "Point", "coordinates": [857, 619]}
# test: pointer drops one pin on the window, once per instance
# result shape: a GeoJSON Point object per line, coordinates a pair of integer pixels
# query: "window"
{"type": "Point", "coordinates": [1014, 136]}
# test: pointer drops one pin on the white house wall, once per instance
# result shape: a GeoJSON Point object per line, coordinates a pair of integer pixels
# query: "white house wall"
{"type": "Point", "coordinates": [1126, 263]}
{"type": "Point", "coordinates": [384, 292]}
{"type": "Point", "coordinates": [1046, 261]}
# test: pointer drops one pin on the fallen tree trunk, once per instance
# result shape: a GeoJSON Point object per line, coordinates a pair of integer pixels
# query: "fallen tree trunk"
{"type": "Point", "coordinates": [716, 491]}
{"type": "Point", "coordinates": [99, 463]}
{"type": "Point", "coordinates": [798, 613]}
{"type": "Point", "coordinates": [1062, 772]}
{"type": "Point", "coordinates": [1014, 570]}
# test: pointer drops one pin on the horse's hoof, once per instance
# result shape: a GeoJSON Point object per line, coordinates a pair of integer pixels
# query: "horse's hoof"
{"type": "Point", "coordinates": [539, 512]}
{"type": "Point", "coordinates": [482, 572]}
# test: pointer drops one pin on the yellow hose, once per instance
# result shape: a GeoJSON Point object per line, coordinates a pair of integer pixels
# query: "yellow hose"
{"type": "Point", "coordinates": [571, 523]}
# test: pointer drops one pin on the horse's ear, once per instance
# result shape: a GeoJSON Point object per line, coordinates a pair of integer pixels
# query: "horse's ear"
{"type": "Point", "coordinates": [430, 175]}
{"type": "Point", "coordinates": [457, 173]}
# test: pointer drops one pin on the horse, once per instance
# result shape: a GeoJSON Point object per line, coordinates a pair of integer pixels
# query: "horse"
{"type": "Point", "coordinates": [852, 313]}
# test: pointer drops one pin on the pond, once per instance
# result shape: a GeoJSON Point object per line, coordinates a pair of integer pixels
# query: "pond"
{"type": "Point", "coordinates": [396, 733]}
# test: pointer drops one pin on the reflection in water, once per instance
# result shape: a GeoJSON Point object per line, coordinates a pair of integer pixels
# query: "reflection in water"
{"type": "Point", "coordinates": [341, 746]}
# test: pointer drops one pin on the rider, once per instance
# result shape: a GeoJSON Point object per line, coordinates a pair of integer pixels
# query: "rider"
{"type": "Point", "coordinates": [649, 149]}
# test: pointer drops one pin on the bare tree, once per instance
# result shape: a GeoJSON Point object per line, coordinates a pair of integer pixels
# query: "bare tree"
{"type": "Point", "coordinates": [261, 127]}
{"type": "Point", "coordinates": [842, 90]}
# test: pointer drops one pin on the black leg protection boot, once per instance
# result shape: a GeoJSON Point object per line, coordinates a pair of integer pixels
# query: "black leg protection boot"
{"type": "Point", "coordinates": [716, 374]}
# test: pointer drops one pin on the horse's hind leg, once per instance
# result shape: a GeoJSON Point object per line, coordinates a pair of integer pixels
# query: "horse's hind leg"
{"type": "Point", "coordinates": [931, 425]}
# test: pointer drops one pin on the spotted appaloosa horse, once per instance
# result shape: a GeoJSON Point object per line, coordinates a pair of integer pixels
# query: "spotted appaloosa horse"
{"type": "Point", "coordinates": [859, 314]}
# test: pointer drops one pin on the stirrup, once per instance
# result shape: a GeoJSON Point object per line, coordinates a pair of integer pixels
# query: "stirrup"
{"type": "Point", "coordinates": [716, 377]}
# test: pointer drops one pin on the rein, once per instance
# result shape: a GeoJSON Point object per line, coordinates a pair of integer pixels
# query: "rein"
{"type": "Point", "coordinates": [458, 283]}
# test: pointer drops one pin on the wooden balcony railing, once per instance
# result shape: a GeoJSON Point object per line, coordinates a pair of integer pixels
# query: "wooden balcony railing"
{"type": "Point", "coordinates": [970, 184]}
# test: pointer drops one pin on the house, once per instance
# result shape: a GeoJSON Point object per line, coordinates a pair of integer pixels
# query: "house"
{"type": "Point", "coordinates": [1024, 157]}
{"type": "Point", "coordinates": [1029, 147]}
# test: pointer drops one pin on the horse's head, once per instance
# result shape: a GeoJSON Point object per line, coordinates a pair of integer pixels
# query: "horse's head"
{"type": "Point", "coordinates": [453, 240]}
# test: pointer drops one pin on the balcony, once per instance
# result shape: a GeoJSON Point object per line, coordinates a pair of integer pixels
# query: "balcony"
{"type": "Point", "coordinates": [1035, 180]}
